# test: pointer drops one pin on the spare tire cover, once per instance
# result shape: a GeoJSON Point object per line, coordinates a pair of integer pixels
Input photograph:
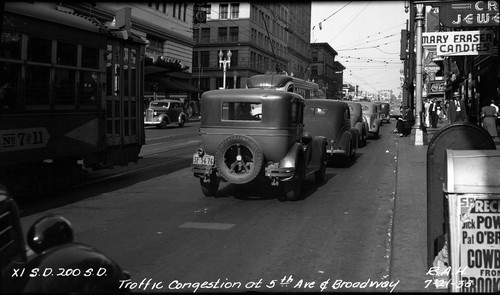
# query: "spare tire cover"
{"type": "Point", "coordinates": [239, 159]}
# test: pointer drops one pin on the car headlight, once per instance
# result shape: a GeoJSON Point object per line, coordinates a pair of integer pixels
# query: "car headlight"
{"type": "Point", "coordinates": [155, 113]}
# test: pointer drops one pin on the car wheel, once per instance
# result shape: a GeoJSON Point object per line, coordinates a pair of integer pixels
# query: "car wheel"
{"type": "Point", "coordinates": [293, 187]}
{"type": "Point", "coordinates": [320, 174]}
{"type": "Point", "coordinates": [210, 189]}
{"type": "Point", "coordinates": [163, 125]}
{"type": "Point", "coordinates": [239, 159]}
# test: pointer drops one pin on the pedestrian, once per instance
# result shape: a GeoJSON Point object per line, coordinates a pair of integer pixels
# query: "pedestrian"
{"type": "Point", "coordinates": [489, 116]}
{"type": "Point", "coordinates": [426, 113]}
{"type": "Point", "coordinates": [494, 105]}
{"type": "Point", "coordinates": [405, 123]}
{"type": "Point", "coordinates": [457, 109]}
{"type": "Point", "coordinates": [433, 113]}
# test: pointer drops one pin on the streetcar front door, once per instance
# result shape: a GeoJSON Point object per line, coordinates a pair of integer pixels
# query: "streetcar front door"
{"type": "Point", "coordinates": [123, 94]}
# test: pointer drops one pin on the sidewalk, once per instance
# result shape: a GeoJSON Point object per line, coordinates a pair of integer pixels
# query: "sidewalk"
{"type": "Point", "coordinates": [409, 235]}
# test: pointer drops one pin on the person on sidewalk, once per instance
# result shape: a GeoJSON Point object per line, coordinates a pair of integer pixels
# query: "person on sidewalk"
{"type": "Point", "coordinates": [489, 116]}
{"type": "Point", "coordinates": [433, 108]}
{"type": "Point", "coordinates": [405, 123]}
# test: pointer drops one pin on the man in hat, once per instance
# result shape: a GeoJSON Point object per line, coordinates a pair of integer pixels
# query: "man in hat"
{"type": "Point", "coordinates": [457, 109]}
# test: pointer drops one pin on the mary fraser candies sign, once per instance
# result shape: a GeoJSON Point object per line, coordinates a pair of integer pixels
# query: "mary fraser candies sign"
{"type": "Point", "coordinates": [477, 235]}
{"type": "Point", "coordinates": [460, 43]}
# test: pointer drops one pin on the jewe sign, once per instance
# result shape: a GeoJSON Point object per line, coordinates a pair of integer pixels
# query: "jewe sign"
{"type": "Point", "coordinates": [460, 43]}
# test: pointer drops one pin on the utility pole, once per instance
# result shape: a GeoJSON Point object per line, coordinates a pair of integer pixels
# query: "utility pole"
{"type": "Point", "coordinates": [418, 129]}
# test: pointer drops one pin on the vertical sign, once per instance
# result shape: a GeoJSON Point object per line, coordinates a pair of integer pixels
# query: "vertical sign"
{"type": "Point", "coordinates": [475, 242]}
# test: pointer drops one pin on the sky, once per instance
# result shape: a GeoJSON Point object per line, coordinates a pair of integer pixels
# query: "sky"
{"type": "Point", "coordinates": [366, 36]}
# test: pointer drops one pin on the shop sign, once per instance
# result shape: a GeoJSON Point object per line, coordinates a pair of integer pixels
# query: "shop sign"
{"type": "Point", "coordinates": [437, 86]}
{"type": "Point", "coordinates": [459, 43]}
{"type": "Point", "coordinates": [475, 236]}
{"type": "Point", "coordinates": [469, 13]}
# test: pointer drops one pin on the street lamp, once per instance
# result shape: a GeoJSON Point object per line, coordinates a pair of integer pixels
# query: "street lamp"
{"type": "Point", "coordinates": [224, 63]}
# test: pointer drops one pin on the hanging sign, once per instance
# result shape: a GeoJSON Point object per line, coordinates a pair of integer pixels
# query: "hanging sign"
{"type": "Point", "coordinates": [469, 13]}
{"type": "Point", "coordinates": [459, 43]}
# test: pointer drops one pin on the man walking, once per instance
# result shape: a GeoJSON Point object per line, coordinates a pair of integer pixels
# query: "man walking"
{"type": "Point", "coordinates": [433, 113]}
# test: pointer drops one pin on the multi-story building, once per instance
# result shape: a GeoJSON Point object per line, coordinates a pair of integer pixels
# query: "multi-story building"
{"type": "Point", "coordinates": [326, 71]}
{"type": "Point", "coordinates": [261, 37]}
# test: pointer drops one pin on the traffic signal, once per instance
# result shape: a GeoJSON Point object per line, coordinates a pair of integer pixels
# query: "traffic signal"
{"type": "Point", "coordinates": [404, 44]}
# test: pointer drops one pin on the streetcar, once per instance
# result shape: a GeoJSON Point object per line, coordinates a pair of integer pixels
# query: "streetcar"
{"type": "Point", "coordinates": [284, 82]}
{"type": "Point", "coordinates": [70, 95]}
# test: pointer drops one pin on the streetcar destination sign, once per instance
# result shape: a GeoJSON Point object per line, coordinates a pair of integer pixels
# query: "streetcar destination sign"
{"type": "Point", "coordinates": [460, 42]}
{"type": "Point", "coordinates": [23, 139]}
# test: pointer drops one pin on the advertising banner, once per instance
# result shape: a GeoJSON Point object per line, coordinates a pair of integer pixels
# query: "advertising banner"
{"type": "Point", "coordinates": [459, 43]}
{"type": "Point", "coordinates": [475, 240]}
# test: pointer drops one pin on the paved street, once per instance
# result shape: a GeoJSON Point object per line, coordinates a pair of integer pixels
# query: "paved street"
{"type": "Point", "coordinates": [162, 228]}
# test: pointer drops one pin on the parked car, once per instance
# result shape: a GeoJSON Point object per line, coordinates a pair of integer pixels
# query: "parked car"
{"type": "Point", "coordinates": [332, 119]}
{"type": "Point", "coordinates": [384, 112]}
{"type": "Point", "coordinates": [52, 263]}
{"type": "Point", "coordinates": [239, 144]}
{"type": "Point", "coordinates": [358, 121]}
{"type": "Point", "coordinates": [164, 112]}
{"type": "Point", "coordinates": [370, 114]}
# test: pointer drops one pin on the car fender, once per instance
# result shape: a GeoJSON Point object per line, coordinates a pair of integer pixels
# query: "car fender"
{"type": "Point", "coordinates": [377, 124]}
{"type": "Point", "coordinates": [355, 139]}
{"type": "Point", "coordinates": [164, 117]}
{"type": "Point", "coordinates": [182, 116]}
{"type": "Point", "coordinates": [318, 145]}
{"type": "Point", "coordinates": [290, 158]}
{"type": "Point", "coordinates": [74, 268]}
{"type": "Point", "coordinates": [345, 141]}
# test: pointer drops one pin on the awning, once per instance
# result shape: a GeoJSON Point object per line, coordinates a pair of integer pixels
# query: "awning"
{"type": "Point", "coordinates": [148, 70]}
{"type": "Point", "coordinates": [174, 84]}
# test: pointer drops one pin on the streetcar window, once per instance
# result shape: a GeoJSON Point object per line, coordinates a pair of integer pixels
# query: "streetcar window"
{"type": "Point", "coordinates": [9, 78]}
{"type": "Point", "coordinates": [90, 57]}
{"type": "Point", "coordinates": [89, 87]}
{"type": "Point", "coordinates": [64, 87]}
{"type": "Point", "coordinates": [37, 85]}
{"type": "Point", "coordinates": [11, 45]}
{"type": "Point", "coordinates": [39, 49]}
{"type": "Point", "coordinates": [66, 54]}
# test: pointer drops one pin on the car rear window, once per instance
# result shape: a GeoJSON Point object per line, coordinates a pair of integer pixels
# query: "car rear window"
{"type": "Point", "coordinates": [241, 111]}
{"type": "Point", "coordinates": [315, 111]}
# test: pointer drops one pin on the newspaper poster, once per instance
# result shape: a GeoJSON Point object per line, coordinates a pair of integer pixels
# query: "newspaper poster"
{"type": "Point", "coordinates": [475, 242]}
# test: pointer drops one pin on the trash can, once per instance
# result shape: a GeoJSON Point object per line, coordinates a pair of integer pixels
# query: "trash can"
{"type": "Point", "coordinates": [472, 189]}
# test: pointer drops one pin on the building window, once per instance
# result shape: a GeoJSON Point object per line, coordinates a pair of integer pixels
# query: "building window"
{"type": "Point", "coordinates": [209, 11]}
{"type": "Point", "coordinates": [235, 10]}
{"type": "Point", "coordinates": [196, 60]}
{"type": "Point", "coordinates": [233, 34]}
{"type": "Point", "coordinates": [222, 34]}
{"type": "Point", "coordinates": [314, 70]}
{"type": "Point", "coordinates": [205, 35]}
{"type": "Point", "coordinates": [234, 58]}
{"type": "Point", "coordinates": [314, 56]}
{"type": "Point", "coordinates": [205, 59]}
{"type": "Point", "coordinates": [223, 11]}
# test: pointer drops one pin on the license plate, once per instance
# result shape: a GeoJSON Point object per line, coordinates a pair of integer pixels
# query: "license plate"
{"type": "Point", "coordinates": [205, 160]}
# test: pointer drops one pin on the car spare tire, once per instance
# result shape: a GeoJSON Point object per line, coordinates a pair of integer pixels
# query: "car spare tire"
{"type": "Point", "coordinates": [239, 159]}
